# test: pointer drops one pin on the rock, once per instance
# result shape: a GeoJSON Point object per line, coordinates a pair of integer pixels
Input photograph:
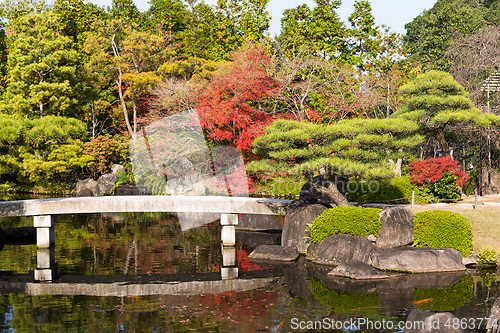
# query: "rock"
{"type": "Point", "coordinates": [274, 252]}
{"type": "Point", "coordinates": [256, 238]}
{"type": "Point", "coordinates": [88, 183]}
{"type": "Point", "coordinates": [105, 183]}
{"type": "Point", "coordinates": [128, 189]}
{"type": "Point", "coordinates": [310, 194]}
{"type": "Point", "coordinates": [256, 222]}
{"type": "Point", "coordinates": [494, 318]}
{"type": "Point", "coordinates": [116, 168]}
{"type": "Point", "coordinates": [295, 230]}
{"type": "Point", "coordinates": [86, 192]}
{"type": "Point", "coordinates": [21, 236]}
{"type": "Point", "coordinates": [372, 238]}
{"type": "Point", "coordinates": [358, 270]}
{"type": "Point", "coordinates": [396, 229]}
{"type": "Point", "coordinates": [339, 249]}
{"type": "Point", "coordinates": [418, 259]}
{"type": "Point", "coordinates": [470, 260]}
{"type": "Point", "coordinates": [428, 322]}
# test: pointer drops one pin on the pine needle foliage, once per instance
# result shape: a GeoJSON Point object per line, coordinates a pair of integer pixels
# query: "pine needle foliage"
{"type": "Point", "coordinates": [436, 100]}
{"type": "Point", "coordinates": [353, 147]}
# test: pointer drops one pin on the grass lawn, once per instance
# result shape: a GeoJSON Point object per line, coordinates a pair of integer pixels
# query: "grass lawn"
{"type": "Point", "coordinates": [485, 228]}
{"type": "Point", "coordinates": [485, 225]}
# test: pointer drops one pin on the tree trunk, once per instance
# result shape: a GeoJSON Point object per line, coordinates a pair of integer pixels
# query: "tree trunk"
{"type": "Point", "coordinates": [442, 142]}
{"type": "Point", "coordinates": [332, 192]}
{"type": "Point", "coordinates": [122, 100]}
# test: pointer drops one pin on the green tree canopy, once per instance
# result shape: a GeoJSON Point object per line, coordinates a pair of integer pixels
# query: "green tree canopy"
{"type": "Point", "coordinates": [40, 64]}
{"type": "Point", "coordinates": [437, 100]}
{"type": "Point", "coordinates": [353, 147]}
{"type": "Point", "coordinates": [429, 34]}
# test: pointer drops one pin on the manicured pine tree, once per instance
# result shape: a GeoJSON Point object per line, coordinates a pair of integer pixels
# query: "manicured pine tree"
{"type": "Point", "coordinates": [435, 101]}
{"type": "Point", "coordinates": [353, 147]}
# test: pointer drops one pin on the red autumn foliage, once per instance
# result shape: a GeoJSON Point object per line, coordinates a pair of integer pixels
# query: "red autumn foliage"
{"type": "Point", "coordinates": [228, 106]}
{"type": "Point", "coordinates": [432, 169]}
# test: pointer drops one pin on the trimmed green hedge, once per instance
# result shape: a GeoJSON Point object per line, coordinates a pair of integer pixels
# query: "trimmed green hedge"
{"type": "Point", "coordinates": [389, 191]}
{"type": "Point", "coordinates": [357, 221]}
{"type": "Point", "coordinates": [439, 228]}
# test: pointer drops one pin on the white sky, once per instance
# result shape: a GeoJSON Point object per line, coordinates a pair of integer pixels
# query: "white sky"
{"type": "Point", "coordinates": [392, 13]}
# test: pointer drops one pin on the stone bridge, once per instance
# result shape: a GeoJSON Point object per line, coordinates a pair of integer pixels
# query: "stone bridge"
{"type": "Point", "coordinates": [45, 211]}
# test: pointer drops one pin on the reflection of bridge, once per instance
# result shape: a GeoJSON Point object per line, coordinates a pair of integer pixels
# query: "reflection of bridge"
{"type": "Point", "coordinates": [45, 211]}
{"type": "Point", "coordinates": [126, 285]}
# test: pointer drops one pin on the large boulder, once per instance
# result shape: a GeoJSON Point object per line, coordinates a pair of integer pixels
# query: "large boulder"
{"type": "Point", "coordinates": [274, 252]}
{"type": "Point", "coordinates": [310, 194]}
{"type": "Point", "coordinates": [295, 230]}
{"type": "Point", "coordinates": [87, 183]}
{"type": "Point", "coordinates": [357, 270]}
{"type": "Point", "coordinates": [339, 249]}
{"type": "Point", "coordinates": [86, 192]}
{"type": "Point", "coordinates": [255, 222]}
{"type": "Point", "coordinates": [128, 189]}
{"type": "Point", "coordinates": [117, 168]}
{"type": "Point", "coordinates": [396, 229]}
{"type": "Point", "coordinates": [494, 318]}
{"type": "Point", "coordinates": [418, 259]}
{"type": "Point", "coordinates": [105, 183]}
{"type": "Point", "coordinates": [429, 322]}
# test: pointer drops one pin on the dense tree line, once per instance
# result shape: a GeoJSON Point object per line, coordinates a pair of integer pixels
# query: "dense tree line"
{"type": "Point", "coordinates": [112, 71]}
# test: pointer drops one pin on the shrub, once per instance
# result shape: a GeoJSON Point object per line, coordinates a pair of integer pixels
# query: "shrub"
{"type": "Point", "coordinates": [356, 221]}
{"type": "Point", "coordinates": [442, 176]}
{"type": "Point", "coordinates": [106, 151]}
{"type": "Point", "coordinates": [389, 191]}
{"type": "Point", "coordinates": [438, 228]}
{"type": "Point", "coordinates": [487, 256]}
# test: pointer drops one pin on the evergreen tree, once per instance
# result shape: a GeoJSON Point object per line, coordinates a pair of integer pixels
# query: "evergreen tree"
{"type": "Point", "coordinates": [354, 147]}
{"type": "Point", "coordinates": [435, 101]}
{"type": "Point", "coordinates": [40, 63]}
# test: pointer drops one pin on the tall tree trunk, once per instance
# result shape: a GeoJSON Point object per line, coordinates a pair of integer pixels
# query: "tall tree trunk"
{"type": "Point", "coordinates": [118, 81]}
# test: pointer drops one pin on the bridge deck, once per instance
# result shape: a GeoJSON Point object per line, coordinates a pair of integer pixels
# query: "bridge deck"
{"type": "Point", "coordinates": [145, 203]}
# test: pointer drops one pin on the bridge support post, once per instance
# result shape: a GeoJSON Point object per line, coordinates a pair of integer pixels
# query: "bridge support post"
{"type": "Point", "coordinates": [44, 225]}
{"type": "Point", "coordinates": [229, 269]}
{"type": "Point", "coordinates": [46, 269]}
{"type": "Point", "coordinates": [228, 232]}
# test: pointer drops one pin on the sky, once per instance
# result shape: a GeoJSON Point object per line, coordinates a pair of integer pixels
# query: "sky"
{"type": "Point", "coordinates": [392, 13]}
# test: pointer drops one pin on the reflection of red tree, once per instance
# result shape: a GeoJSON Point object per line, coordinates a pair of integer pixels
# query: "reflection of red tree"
{"type": "Point", "coordinates": [244, 264]}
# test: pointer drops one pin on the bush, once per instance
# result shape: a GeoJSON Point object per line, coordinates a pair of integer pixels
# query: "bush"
{"type": "Point", "coordinates": [389, 190]}
{"type": "Point", "coordinates": [442, 176]}
{"type": "Point", "coordinates": [356, 221]}
{"type": "Point", "coordinates": [106, 151]}
{"type": "Point", "coordinates": [438, 228]}
{"type": "Point", "coordinates": [487, 256]}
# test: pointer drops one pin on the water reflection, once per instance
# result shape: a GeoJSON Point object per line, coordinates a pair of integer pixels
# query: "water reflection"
{"type": "Point", "coordinates": [141, 272]}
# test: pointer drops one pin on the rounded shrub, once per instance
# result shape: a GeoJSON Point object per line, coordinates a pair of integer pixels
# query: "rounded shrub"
{"type": "Point", "coordinates": [439, 228]}
{"type": "Point", "coordinates": [356, 221]}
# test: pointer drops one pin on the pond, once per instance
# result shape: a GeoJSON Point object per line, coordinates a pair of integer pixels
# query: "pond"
{"type": "Point", "coordinates": [142, 273]}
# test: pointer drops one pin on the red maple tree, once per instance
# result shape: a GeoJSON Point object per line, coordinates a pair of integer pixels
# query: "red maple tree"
{"type": "Point", "coordinates": [232, 107]}
{"type": "Point", "coordinates": [432, 169]}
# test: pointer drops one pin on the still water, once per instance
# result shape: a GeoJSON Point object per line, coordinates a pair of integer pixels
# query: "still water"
{"type": "Point", "coordinates": [141, 273]}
